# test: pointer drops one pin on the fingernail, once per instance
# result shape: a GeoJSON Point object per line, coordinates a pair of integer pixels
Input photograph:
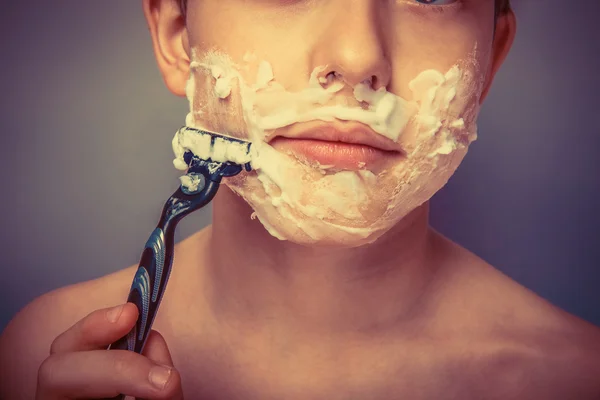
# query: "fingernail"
{"type": "Point", "coordinates": [159, 376]}
{"type": "Point", "coordinates": [114, 313]}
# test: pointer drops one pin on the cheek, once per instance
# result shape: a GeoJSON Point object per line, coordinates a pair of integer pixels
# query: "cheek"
{"type": "Point", "coordinates": [438, 42]}
{"type": "Point", "coordinates": [232, 27]}
{"type": "Point", "coordinates": [216, 107]}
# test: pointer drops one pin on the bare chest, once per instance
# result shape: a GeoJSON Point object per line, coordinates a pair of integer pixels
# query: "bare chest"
{"type": "Point", "coordinates": [416, 371]}
{"type": "Point", "coordinates": [265, 364]}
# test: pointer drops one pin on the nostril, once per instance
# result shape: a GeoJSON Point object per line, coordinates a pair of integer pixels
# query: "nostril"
{"type": "Point", "coordinates": [330, 78]}
{"type": "Point", "coordinates": [374, 82]}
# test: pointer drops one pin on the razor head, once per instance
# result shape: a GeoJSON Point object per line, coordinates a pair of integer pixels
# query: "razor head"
{"type": "Point", "coordinates": [214, 135]}
{"type": "Point", "coordinates": [215, 147]}
{"type": "Point", "coordinates": [211, 168]}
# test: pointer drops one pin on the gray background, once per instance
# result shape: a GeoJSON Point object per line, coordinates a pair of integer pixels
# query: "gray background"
{"type": "Point", "coordinates": [86, 126]}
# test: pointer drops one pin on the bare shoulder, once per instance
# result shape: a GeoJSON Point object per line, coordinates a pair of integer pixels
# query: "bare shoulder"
{"type": "Point", "coordinates": [57, 310]}
{"type": "Point", "coordinates": [528, 344]}
{"type": "Point", "coordinates": [26, 340]}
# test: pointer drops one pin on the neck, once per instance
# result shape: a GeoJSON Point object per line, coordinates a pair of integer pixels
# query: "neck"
{"type": "Point", "coordinates": [253, 278]}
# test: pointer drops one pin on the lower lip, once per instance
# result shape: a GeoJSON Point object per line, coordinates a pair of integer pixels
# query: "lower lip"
{"type": "Point", "coordinates": [337, 154]}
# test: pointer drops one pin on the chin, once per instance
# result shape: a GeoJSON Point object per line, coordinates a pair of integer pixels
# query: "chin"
{"type": "Point", "coordinates": [288, 224]}
{"type": "Point", "coordinates": [333, 213]}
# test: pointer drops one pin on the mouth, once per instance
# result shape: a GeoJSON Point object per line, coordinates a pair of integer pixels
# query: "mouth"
{"type": "Point", "coordinates": [330, 146]}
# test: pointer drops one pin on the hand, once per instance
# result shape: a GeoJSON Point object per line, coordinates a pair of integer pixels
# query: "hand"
{"type": "Point", "coordinates": [80, 367]}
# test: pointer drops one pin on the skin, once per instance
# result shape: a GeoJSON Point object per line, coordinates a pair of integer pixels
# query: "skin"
{"type": "Point", "coordinates": [411, 316]}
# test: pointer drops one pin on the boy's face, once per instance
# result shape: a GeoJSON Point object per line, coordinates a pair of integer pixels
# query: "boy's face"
{"type": "Point", "coordinates": [437, 57]}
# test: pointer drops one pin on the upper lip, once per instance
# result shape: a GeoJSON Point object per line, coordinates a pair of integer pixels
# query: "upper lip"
{"type": "Point", "coordinates": [355, 134]}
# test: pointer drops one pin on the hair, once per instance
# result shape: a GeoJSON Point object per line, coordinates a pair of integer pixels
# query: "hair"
{"type": "Point", "coordinates": [502, 7]}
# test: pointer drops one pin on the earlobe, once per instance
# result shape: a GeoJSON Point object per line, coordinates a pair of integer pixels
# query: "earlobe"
{"type": "Point", "coordinates": [169, 39]}
{"type": "Point", "coordinates": [506, 27]}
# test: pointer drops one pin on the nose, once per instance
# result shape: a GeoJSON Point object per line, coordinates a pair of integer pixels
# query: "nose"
{"type": "Point", "coordinates": [352, 45]}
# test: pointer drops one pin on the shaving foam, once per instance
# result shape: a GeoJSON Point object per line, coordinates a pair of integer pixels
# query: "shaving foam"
{"type": "Point", "coordinates": [204, 146]}
{"type": "Point", "coordinates": [310, 204]}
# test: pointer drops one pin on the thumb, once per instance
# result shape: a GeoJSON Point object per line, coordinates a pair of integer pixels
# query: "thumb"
{"type": "Point", "coordinates": [156, 350]}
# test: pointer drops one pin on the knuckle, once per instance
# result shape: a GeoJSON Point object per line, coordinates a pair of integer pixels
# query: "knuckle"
{"type": "Point", "coordinates": [83, 328]}
{"type": "Point", "coordinates": [122, 363]}
{"type": "Point", "coordinates": [88, 325]}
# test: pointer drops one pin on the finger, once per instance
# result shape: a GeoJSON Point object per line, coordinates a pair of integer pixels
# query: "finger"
{"type": "Point", "coordinates": [156, 349]}
{"type": "Point", "coordinates": [104, 374]}
{"type": "Point", "coordinates": [97, 330]}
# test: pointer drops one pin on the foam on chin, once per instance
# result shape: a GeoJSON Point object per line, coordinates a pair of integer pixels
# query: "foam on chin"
{"type": "Point", "coordinates": [308, 204]}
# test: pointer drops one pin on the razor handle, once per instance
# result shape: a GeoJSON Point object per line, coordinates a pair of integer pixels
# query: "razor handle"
{"type": "Point", "coordinates": [152, 275]}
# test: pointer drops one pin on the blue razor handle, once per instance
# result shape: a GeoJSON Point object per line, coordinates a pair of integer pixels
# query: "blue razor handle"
{"type": "Point", "coordinates": [153, 272]}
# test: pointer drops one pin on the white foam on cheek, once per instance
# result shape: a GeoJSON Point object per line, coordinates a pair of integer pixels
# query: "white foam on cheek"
{"type": "Point", "coordinates": [298, 202]}
{"type": "Point", "coordinates": [434, 92]}
{"type": "Point", "coordinates": [190, 90]}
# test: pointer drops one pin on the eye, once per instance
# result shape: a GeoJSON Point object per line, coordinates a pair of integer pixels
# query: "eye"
{"type": "Point", "coordinates": [436, 2]}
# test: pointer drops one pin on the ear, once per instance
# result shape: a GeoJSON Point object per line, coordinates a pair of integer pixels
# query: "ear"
{"type": "Point", "coordinates": [170, 42]}
{"type": "Point", "coordinates": [506, 28]}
